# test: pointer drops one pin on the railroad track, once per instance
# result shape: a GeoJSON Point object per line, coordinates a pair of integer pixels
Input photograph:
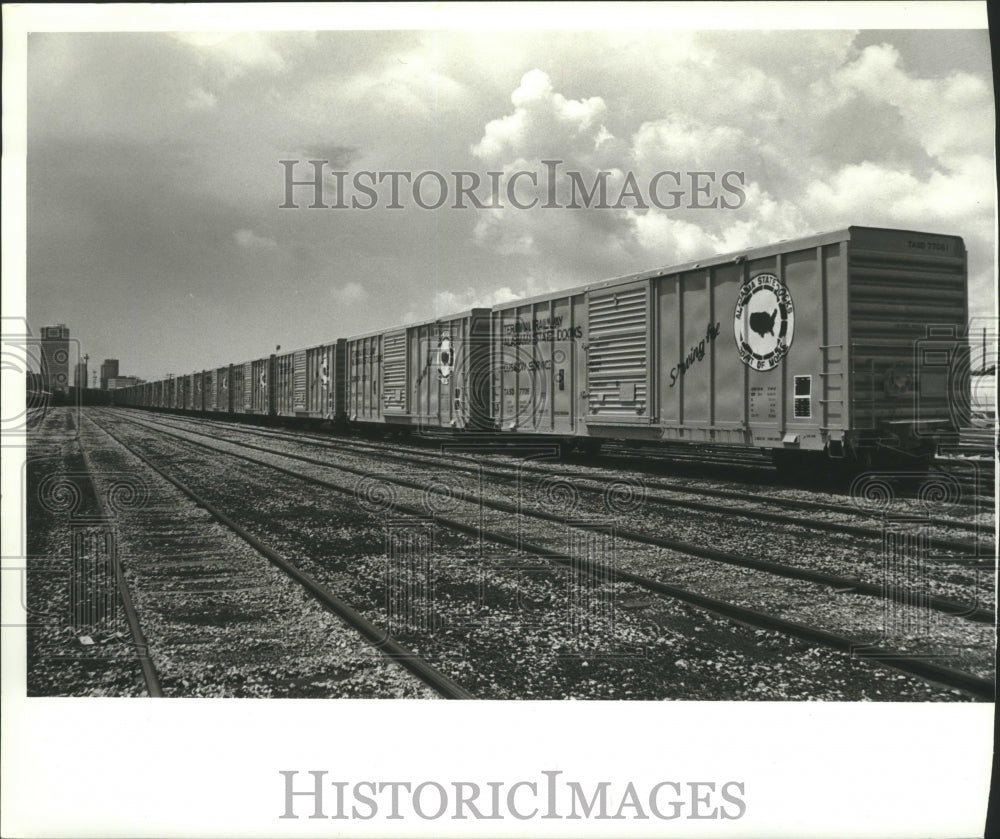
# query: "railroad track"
{"type": "Point", "coordinates": [971, 481]}
{"type": "Point", "coordinates": [688, 548]}
{"type": "Point", "coordinates": [873, 495]}
{"type": "Point", "coordinates": [164, 520]}
{"type": "Point", "coordinates": [974, 684]}
{"type": "Point", "coordinates": [83, 632]}
{"type": "Point", "coordinates": [150, 676]}
{"type": "Point", "coordinates": [974, 442]}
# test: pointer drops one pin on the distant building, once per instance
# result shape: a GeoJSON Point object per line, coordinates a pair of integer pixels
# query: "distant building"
{"type": "Point", "coordinates": [109, 370]}
{"type": "Point", "coordinates": [80, 378]}
{"type": "Point", "coordinates": [116, 382]}
{"type": "Point", "coordinates": [55, 358]}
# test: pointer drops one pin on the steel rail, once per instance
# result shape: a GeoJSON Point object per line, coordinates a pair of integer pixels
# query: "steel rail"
{"type": "Point", "coordinates": [149, 674]}
{"type": "Point", "coordinates": [977, 686]}
{"type": "Point", "coordinates": [949, 607]}
{"type": "Point", "coordinates": [381, 640]}
{"type": "Point", "coordinates": [498, 470]}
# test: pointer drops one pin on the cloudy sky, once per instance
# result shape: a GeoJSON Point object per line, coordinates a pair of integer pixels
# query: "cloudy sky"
{"type": "Point", "coordinates": [154, 226]}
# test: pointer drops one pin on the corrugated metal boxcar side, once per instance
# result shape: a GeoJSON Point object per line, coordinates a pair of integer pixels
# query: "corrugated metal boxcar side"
{"type": "Point", "coordinates": [257, 386]}
{"type": "Point", "coordinates": [209, 386]}
{"type": "Point", "coordinates": [364, 368]}
{"type": "Point", "coordinates": [447, 372]}
{"type": "Point", "coordinates": [908, 353]}
{"type": "Point", "coordinates": [221, 390]}
{"type": "Point", "coordinates": [539, 364]}
{"type": "Point", "coordinates": [803, 345]}
{"type": "Point", "coordinates": [428, 375]}
{"type": "Point", "coordinates": [309, 382]}
{"type": "Point", "coordinates": [738, 342]}
{"type": "Point", "coordinates": [187, 392]}
{"type": "Point", "coordinates": [289, 382]}
{"type": "Point", "coordinates": [198, 398]}
{"type": "Point", "coordinates": [324, 381]}
{"type": "Point", "coordinates": [246, 377]}
{"type": "Point", "coordinates": [236, 388]}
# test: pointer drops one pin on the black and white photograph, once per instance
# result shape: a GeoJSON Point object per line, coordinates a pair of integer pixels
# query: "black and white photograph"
{"type": "Point", "coordinates": [626, 373]}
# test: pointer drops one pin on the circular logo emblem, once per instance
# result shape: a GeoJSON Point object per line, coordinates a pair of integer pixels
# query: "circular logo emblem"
{"type": "Point", "coordinates": [764, 322]}
{"type": "Point", "coordinates": [446, 356]}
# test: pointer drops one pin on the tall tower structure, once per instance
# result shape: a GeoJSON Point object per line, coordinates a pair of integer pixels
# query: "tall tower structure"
{"type": "Point", "coordinates": [55, 358]}
{"type": "Point", "coordinates": [109, 370]}
{"type": "Point", "coordinates": [80, 379]}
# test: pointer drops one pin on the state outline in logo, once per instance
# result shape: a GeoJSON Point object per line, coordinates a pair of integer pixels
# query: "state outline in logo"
{"type": "Point", "coordinates": [763, 322]}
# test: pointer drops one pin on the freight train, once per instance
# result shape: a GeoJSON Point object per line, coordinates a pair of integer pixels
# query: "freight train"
{"type": "Point", "coordinates": [850, 345]}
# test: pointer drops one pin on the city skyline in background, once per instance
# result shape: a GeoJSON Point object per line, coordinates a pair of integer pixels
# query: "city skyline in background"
{"type": "Point", "coordinates": [57, 362]}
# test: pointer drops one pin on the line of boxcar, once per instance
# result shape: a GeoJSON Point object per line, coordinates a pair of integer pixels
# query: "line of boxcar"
{"type": "Point", "coordinates": [849, 344]}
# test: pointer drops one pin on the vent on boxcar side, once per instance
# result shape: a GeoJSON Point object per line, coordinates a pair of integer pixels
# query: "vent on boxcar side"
{"type": "Point", "coordinates": [394, 371]}
{"type": "Point", "coordinates": [618, 349]}
{"type": "Point", "coordinates": [299, 381]}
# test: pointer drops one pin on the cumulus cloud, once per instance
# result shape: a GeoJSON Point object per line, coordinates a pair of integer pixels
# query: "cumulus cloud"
{"type": "Point", "coordinates": [407, 82]}
{"type": "Point", "coordinates": [949, 202]}
{"type": "Point", "coordinates": [201, 100]}
{"type": "Point", "coordinates": [349, 294]}
{"type": "Point", "coordinates": [829, 136]}
{"type": "Point", "coordinates": [546, 125]}
{"type": "Point", "coordinates": [944, 114]}
{"type": "Point", "coordinates": [250, 240]}
{"type": "Point", "coordinates": [503, 236]}
{"type": "Point", "coordinates": [771, 221]}
{"type": "Point", "coordinates": [688, 141]}
{"type": "Point", "coordinates": [544, 122]}
{"type": "Point", "coordinates": [237, 53]}
{"type": "Point", "coordinates": [447, 302]}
